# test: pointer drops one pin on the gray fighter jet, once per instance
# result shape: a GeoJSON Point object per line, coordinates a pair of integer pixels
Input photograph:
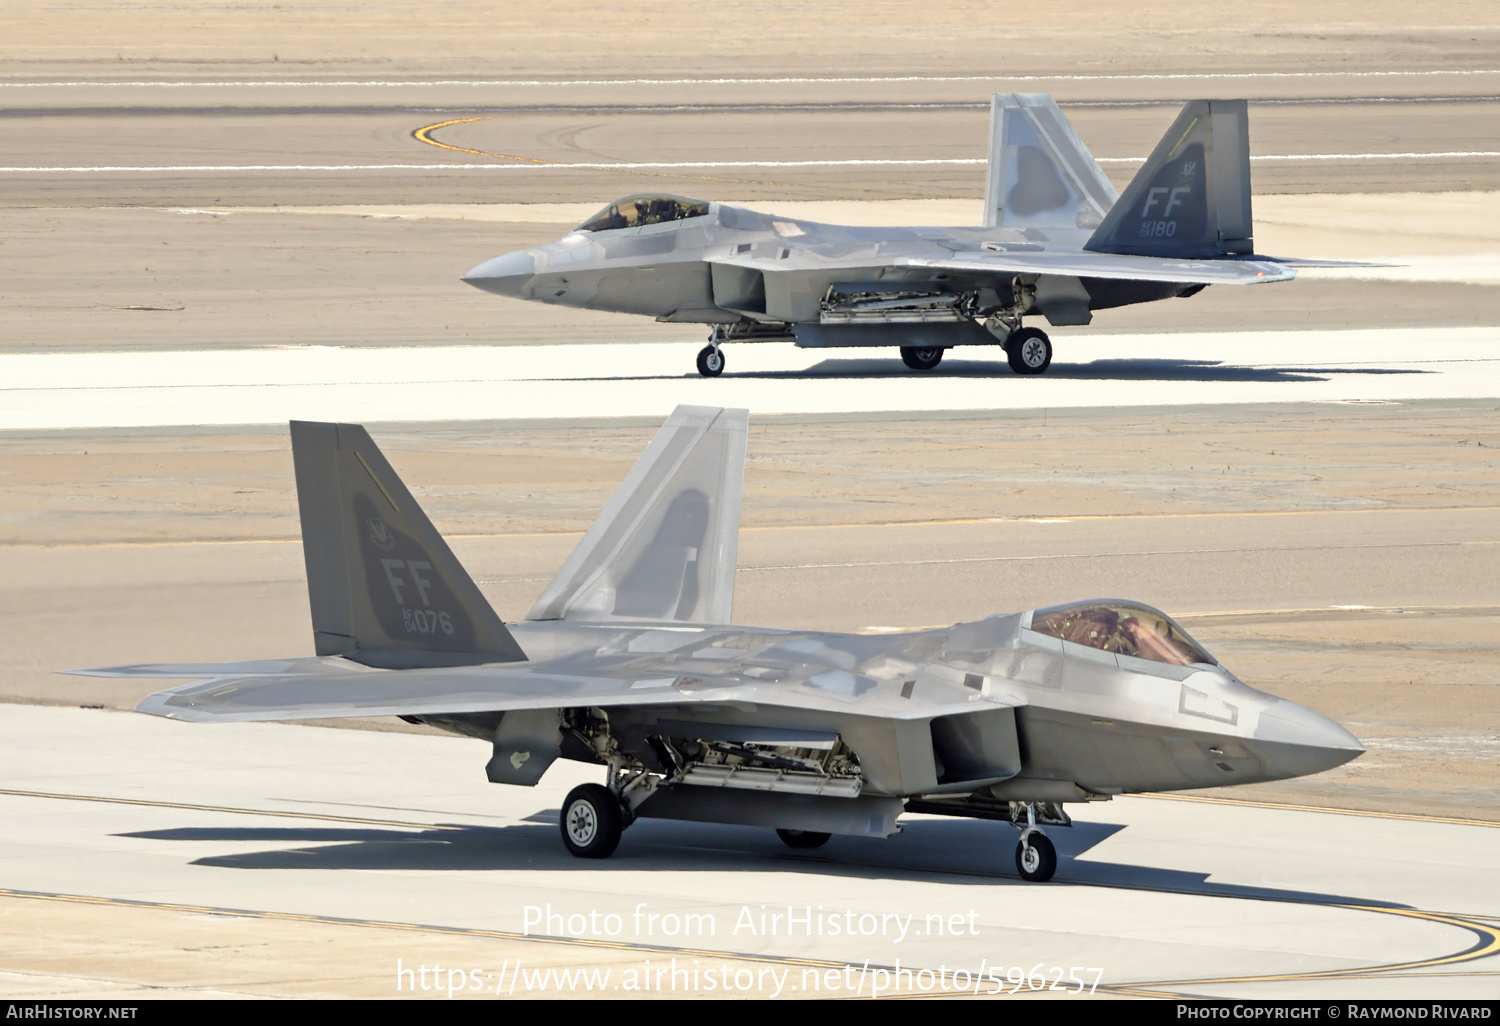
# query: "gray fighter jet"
{"type": "Point", "coordinates": [1056, 241]}
{"type": "Point", "coordinates": [628, 661]}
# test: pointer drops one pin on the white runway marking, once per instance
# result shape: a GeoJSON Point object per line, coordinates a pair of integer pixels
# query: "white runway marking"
{"type": "Point", "coordinates": [543, 382]}
{"type": "Point", "coordinates": [822, 80]}
{"type": "Point", "coordinates": [677, 165]}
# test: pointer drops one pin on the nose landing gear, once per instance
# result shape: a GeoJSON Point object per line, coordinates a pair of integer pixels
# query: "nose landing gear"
{"type": "Point", "coordinates": [1036, 858]}
{"type": "Point", "coordinates": [711, 360]}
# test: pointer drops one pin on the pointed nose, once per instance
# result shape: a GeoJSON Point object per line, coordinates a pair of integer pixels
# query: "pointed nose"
{"type": "Point", "coordinates": [505, 275]}
{"type": "Point", "coordinates": [1302, 741]}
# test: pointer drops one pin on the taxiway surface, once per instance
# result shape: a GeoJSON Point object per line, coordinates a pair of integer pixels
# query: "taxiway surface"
{"type": "Point", "coordinates": [366, 848]}
{"type": "Point", "coordinates": [258, 386]}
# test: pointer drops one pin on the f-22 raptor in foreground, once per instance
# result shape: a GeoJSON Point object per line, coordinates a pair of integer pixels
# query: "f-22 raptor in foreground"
{"type": "Point", "coordinates": [1056, 241]}
{"type": "Point", "coordinates": [628, 661]}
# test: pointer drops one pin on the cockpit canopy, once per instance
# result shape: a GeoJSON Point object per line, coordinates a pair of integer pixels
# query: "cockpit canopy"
{"type": "Point", "coordinates": [643, 209]}
{"type": "Point", "coordinates": [1124, 628]}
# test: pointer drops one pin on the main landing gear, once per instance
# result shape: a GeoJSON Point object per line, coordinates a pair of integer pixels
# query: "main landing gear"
{"type": "Point", "coordinates": [595, 815]}
{"type": "Point", "coordinates": [1029, 350]}
{"type": "Point", "coordinates": [1036, 858]}
{"type": "Point", "coordinates": [803, 838]}
{"type": "Point", "coordinates": [592, 821]}
{"type": "Point", "coordinates": [921, 358]}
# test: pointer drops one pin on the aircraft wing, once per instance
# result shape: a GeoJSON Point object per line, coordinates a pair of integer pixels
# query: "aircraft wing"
{"type": "Point", "coordinates": [307, 665]}
{"type": "Point", "coordinates": [333, 687]}
{"type": "Point", "coordinates": [1128, 266]}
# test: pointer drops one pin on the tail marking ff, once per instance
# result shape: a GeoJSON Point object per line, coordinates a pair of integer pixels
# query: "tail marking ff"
{"type": "Point", "coordinates": [385, 589]}
{"type": "Point", "coordinates": [1191, 199]}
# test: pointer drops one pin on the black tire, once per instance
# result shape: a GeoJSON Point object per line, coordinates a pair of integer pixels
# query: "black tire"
{"type": "Point", "coordinates": [1029, 350]}
{"type": "Point", "coordinates": [1042, 863]}
{"type": "Point", "coordinates": [591, 822]}
{"type": "Point", "coordinates": [710, 362]}
{"type": "Point", "coordinates": [921, 357]}
{"type": "Point", "coordinates": [803, 838]}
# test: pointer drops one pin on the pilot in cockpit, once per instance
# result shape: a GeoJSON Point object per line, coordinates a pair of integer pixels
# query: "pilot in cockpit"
{"type": "Point", "coordinates": [1123, 629]}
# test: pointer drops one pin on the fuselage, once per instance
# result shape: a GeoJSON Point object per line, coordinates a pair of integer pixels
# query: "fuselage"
{"type": "Point", "coordinates": [1043, 706]}
{"type": "Point", "coordinates": [831, 284]}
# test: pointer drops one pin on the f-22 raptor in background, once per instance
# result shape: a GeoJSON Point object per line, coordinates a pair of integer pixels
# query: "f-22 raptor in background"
{"type": "Point", "coordinates": [1056, 241]}
{"type": "Point", "coordinates": [629, 661]}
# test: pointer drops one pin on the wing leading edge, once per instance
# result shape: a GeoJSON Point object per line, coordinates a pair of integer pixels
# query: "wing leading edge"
{"type": "Point", "coordinates": [335, 687]}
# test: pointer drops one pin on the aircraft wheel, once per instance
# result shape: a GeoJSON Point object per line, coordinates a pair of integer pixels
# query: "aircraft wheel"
{"type": "Point", "coordinates": [1036, 859]}
{"type": "Point", "coordinates": [1030, 351]}
{"type": "Point", "coordinates": [919, 358]}
{"type": "Point", "coordinates": [591, 822]}
{"type": "Point", "coordinates": [803, 838]}
{"type": "Point", "coordinates": [710, 361]}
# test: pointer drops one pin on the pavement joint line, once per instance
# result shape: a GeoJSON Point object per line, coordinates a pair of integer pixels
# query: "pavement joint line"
{"type": "Point", "coordinates": [881, 524]}
{"type": "Point", "coordinates": [764, 80]}
{"type": "Point", "coordinates": [460, 931]}
{"type": "Point", "coordinates": [1290, 807]}
{"type": "Point", "coordinates": [854, 564]}
{"type": "Point", "coordinates": [227, 809]}
{"type": "Point", "coordinates": [532, 164]}
{"type": "Point", "coordinates": [1350, 611]}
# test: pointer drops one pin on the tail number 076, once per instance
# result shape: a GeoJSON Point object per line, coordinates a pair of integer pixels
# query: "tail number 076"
{"type": "Point", "coordinates": [427, 621]}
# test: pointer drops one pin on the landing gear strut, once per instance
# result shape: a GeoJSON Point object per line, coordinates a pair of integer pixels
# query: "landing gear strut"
{"type": "Point", "coordinates": [1036, 858]}
{"type": "Point", "coordinates": [595, 815]}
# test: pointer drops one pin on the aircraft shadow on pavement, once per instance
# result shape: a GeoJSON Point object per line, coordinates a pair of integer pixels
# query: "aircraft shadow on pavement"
{"type": "Point", "coordinates": [1095, 370]}
{"type": "Point", "coordinates": [956, 851]}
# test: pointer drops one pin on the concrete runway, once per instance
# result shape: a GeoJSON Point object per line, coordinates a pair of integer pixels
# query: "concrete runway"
{"type": "Point", "coordinates": [100, 390]}
{"type": "Point", "coordinates": [364, 848]}
{"type": "Point", "coordinates": [200, 145]}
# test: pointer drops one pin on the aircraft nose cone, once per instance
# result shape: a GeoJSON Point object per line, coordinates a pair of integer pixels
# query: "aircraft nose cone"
{"type": "Point", "coordinates": [505, 275]}
{"type": "Point", "coordinates": [1303, 741]}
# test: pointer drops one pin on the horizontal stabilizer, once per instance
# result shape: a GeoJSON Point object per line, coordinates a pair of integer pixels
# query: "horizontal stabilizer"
{"type": "Point", "coordinates": [1315, 262]}
{"type": "Point", "coordinates": [1041, 175]}
{"type": "Point", "coordinates": [1125, 266]}
{"type": "Point", "coordinates": [664, 547]}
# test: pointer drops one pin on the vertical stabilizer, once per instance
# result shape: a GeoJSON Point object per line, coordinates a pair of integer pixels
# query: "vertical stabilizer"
{"type": "Point", "coordinates": [664, 548]}
{"type": "Point", "coordinates": [1192, 197]}
{"type": "Point", "coordinates": [1040, 175]}
{"type": "Point", "coordinates": [385, 588]}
